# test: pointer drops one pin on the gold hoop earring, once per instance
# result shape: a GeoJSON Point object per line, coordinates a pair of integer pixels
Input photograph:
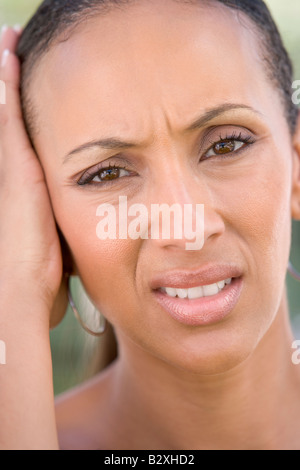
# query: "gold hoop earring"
{"type": "Point", "coordinates": [77, 315]}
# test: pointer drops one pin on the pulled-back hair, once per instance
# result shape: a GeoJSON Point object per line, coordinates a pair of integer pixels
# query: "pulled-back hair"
{"type": "Point", "coordinates": [56, 19]}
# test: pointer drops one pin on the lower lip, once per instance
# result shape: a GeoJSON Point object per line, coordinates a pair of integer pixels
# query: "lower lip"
{"type": "Point", "coordinates": [203, 311]}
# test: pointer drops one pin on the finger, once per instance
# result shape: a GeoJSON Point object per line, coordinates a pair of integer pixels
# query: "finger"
{"type": "Point", "coordinates": [18, 29]}
{"type": "Point", "coordinates": [9, 39]}
{"type": "Point", "coordinates": [13, 136]}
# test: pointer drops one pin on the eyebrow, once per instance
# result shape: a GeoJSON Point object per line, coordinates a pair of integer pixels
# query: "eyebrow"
{"type": "Point", "coordinates": [114, 143]}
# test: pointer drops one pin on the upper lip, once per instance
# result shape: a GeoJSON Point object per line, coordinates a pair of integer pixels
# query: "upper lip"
{"type": "Point", "coordinates": [204, 276]}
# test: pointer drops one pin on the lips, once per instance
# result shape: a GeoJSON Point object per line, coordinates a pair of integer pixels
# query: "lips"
{"type": "Point", "coordinates": [186, 279]}
{"type": "Point", "coordinates": [200, 297]}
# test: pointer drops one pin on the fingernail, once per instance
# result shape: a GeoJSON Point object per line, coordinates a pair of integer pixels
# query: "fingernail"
{"type": "Point", "coordinates": [17, 28]}
{"type": "Point", "coordinates": [4, 58]}
{"type": "Point", "coordinates": [3, 29]}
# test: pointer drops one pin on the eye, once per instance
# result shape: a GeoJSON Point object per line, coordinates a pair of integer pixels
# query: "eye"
{"type": "Point", "coordinates": [110, 174]}
{"type": "Point", "coordinates": [228, 146]}
{"type": "Point", "coordinates": [103, 175]}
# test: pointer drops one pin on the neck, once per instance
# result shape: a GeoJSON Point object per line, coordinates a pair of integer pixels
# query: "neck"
{"type": "Point", "coordinates": [250, 407]}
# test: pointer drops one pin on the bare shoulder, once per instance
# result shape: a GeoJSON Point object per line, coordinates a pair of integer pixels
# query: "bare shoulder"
{"type": "Point", "coordinates": [80, 413]}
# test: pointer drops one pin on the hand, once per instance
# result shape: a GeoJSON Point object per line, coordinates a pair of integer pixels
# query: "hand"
{"type": "Point", "coordinates": [30, 250]}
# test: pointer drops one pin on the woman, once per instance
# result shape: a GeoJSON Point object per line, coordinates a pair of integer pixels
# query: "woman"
{"type": "Point", "coordinates": [157, 102]}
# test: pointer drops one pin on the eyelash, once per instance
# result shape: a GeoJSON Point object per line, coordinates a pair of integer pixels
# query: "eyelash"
{"type": "Point", "coordinates": [89, 175]}
{"type": "Point", "coordinates": [248, 140]}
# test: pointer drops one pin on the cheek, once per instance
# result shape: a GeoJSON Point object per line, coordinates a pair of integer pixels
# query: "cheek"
{"type": "Point", "coordinates": [254, 198]}
{"type": "Point", "coordinates": [106, 267]}
{"type": "Point", "coordinates": [257, 210]}
{"type": "Point", "coordinates": [268, 219]}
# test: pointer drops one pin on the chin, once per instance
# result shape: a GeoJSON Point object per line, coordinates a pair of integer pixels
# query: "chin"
{"type": "Point", "coordinates": [212, 352]}
{"type": "Point", "coordinates": [219, 362]}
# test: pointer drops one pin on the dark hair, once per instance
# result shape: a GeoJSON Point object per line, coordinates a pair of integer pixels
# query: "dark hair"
{"type": "Point", "coordinates": [56, 19]}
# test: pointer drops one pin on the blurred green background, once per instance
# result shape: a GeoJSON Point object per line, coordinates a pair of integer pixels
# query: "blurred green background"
{"type": "Point", "coordinates": [72, 348]}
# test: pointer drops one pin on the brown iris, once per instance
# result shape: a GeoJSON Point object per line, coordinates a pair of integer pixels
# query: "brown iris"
{"type": "Point", "coordinates": [227, 146]}
{"type": "Point", "coordinates": [110, 174]}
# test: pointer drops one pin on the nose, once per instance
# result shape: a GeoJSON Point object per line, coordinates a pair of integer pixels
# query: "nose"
{"type": "Point", "coordinates": [183, 213]}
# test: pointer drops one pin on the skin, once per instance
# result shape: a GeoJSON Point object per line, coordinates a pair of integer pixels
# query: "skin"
{"type": "Point", "coordinates": [144, 74]}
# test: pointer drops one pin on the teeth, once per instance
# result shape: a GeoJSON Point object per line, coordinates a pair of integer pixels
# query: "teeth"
{"type": "Point", "coordinates": [197, 292]}
{"type": "Point", "coordinates": [210, 290]}
{"type": "Point", "coordinates": [182, 293]}
{"type": "Point", "coordinates": [171, 292]}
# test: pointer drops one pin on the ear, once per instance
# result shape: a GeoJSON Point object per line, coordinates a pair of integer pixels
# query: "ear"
{"type": "Point", "coordinates": [295, 201]}
{"type": "Point", "coordinates": [60, 306]}
{"type": "Point", "coordinates": [68, 262]}
{"type": "Point", "coordinates": [61, 302]}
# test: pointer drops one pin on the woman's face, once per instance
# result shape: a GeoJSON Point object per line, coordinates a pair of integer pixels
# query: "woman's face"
{"type": "Point", "coordinates": [143, 75]}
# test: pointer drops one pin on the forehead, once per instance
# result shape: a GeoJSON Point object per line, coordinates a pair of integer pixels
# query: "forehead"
{"type": "Point", "coordinates": [155, 61]}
